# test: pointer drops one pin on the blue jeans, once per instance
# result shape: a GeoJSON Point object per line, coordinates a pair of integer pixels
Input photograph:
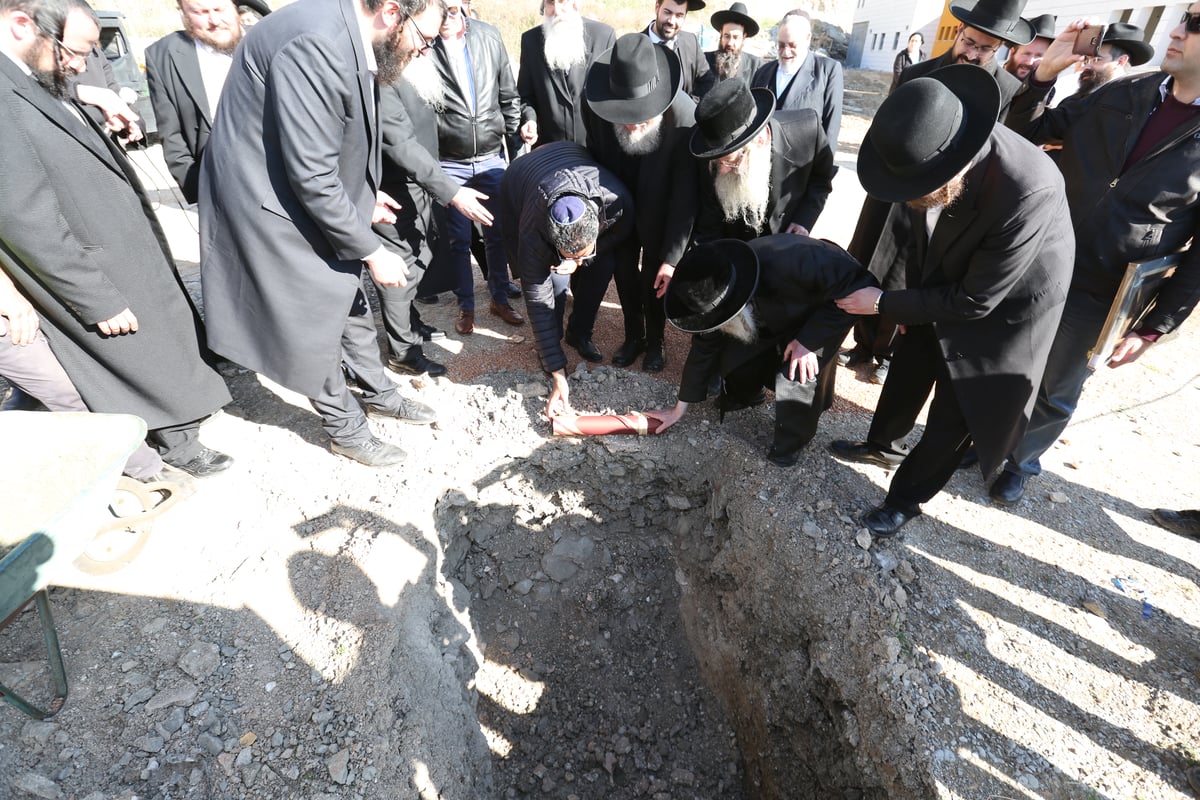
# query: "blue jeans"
{"type": "Point", "coordinates": [1062, 383]}
{"type": "Point", "coordinates": [483, 176]}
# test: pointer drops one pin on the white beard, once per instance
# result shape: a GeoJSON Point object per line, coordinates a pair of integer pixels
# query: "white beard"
{"type": "Point", "coordinates": [743, 327]}
{"type": "Point", "coordinates": [422, 75]}
{"type": "Point", "coordinates": [643, 142]}
{"type": "Point", "coordinates": [745, 196]}
{"type": "Point", "coordinates": [564, 41]}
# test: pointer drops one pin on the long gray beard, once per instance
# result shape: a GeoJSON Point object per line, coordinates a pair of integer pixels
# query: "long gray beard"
{"type": "Point", "coordinates": [641, 143]}
{"type": "Point", "coordinates": [728, 64]}
{"type": "Point", "coordinates": [564, 47]}
{"type": "Point", "coordinates": [745, 196]}
{"type": "Point", "coordinates": [422, 75]}
{"type": "Point", "coordinates": [743, 327]}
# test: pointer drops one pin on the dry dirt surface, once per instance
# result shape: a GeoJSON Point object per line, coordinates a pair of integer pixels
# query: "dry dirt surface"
{"type": "Point", "coordinates": [511, 615]}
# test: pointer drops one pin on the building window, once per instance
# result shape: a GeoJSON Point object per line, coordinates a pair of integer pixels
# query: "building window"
{"type": "Point", "coordinates": [896, 40]}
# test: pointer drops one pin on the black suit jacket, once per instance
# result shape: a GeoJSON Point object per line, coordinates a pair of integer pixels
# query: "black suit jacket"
{"type": "Point", "coordinates": [554, 98]}
{"type": "Point", "coordinates": [697, 79]}
{"type": "Point", "coordinates": [991, 281]}
{"type": "Point", "coordinates": [180, 107]}
{"type": "Point", "coordinates": [817, 85]}
{"type": "Point", "coordinates": [802, 173]}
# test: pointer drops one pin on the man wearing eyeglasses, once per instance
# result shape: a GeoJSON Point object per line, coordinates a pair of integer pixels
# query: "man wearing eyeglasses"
{"type": "Point", "coordinates": [185, 71]}
{"type": "Point", "coordinates": [98, 274]}
{"type": "Point", "coordinates": [800, 78]}
{"type": "Point", "coordinates": [288, 192]}
{"type": "Point", "coordinates": [1130, 155]}
{"type": "Point", "coordinates": [573, 216]}
{"type": "Point", "coordinates": [1122, 47]}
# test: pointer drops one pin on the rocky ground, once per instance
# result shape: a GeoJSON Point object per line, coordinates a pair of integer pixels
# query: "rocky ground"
{"type": "Point", "coordinates": [514, 615]}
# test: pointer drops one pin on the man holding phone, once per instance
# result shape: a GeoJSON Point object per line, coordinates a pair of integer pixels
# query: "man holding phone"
{"type": "Point", "coordinates": [1130, 154]}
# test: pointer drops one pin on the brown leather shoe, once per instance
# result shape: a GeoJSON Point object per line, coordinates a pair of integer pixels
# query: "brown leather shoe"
{"type": "Point", "coordinates": [466, 322]}
{"type": "Point", "coordinates": [506, 313]}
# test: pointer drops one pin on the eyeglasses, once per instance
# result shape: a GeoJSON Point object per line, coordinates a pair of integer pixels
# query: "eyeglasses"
{"type": "Point", "coordinates": [426, 41]}
{"type": "Point", "coordinates": [971, 44]}
{"type": "Point", "coordinates": [1097, 59]}
{"type": "Point", "coordinates": [452, 11]}
{"type": "Point", "coordinates": [72, 55]}
{"type": "Point", "coordinates": [735, 162]}
{"type": "Point", "coordinates": [1190, 22]}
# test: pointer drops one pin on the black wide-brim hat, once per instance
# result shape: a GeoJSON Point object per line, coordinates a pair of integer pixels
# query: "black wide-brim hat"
{"type": "Point", "coordinates": [255, 5]}
{"type": "Point", "coordinates": [999, 18]}
{"type": "Point", "coordinates": [926, 131]}
{"type": "Point", "coordinates": [728, 116]}
{"type": "Point", "coordinates": [1131, 39]}
{"type": "Point", "coordinates": [711, 285]}
{"type": "Point", "coordinates": [633, 81]}
{"type": "Point", "coordinates": [737, 13]}
{"type": "Point", "coordinates": [1043, 26]}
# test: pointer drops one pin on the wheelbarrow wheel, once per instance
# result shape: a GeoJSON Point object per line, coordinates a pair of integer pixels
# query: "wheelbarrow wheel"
{"type": "Point", "coordinates": [134, 508]}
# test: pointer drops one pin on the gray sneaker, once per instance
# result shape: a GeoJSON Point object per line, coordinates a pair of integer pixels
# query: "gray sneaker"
{"type": "Point", "coordinates": [374, 452]}
{"type": "Point", "coordinates": [405, 410]}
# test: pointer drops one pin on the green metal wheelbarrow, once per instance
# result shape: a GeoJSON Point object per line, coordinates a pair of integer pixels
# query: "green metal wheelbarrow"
{"type": "Point", "coordinates": [56, 493]}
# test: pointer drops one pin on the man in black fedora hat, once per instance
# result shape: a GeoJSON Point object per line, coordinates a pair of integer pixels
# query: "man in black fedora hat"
{"type": "Point", "coordinates": [1130, 155]}
{"type": "Point", "coordinates": [1123, 46]}
{"type": "Point", "coordinates": [638, 127]}
{"type": "Point", "coordinates": [667, 30]}
{"type": "Point", "coordinates": [573, 216]}
{"type": "Point", "coordinates": [763, 316]}
{"type": "Point", "coordinates": [730, 59]}
{"type": "Point", "coordinates": [880, 234]}
{"type": "Point", "coordinates": [186, 71]}
{"type": "Point", "coordinates": [1023, 59]}
{"type": "Point", "coordinates": [763, 171]}
{"type": "Point", "coordinates": [988, 265]}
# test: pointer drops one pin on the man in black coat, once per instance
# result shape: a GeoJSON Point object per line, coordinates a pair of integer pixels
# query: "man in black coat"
{"type": "Point", "coordinates": [573, 215]}
{"type": "Point", "coordinates": [667, 30]}
{"type": "Point", "coordinates": [642, 138]}
{"type": "Point", "coordinates": [555, 57]}
{"type": "Point", "coordinates": [413, 177]}
{"type": "Point", "coordinates": [763, 315]}
{"type": "Point", "coordinates": [988, 267]}
{"type": "Point", "coordinates": [99, 274]}
{"type": "Point", "coordinates": [1130, 156]}
{"type": "Point", "coordinates": [801, 78]}
{"type": "Point", "coordinates": [730, 59]}
{"type": "Point", "coordinates": [760, 170]}
{"type": "Point", "coordinates": [985, 26]}
{"type": "Point", "coordinates": [289, 189]}
{"type": "Point", "coordinates": [186, 71]}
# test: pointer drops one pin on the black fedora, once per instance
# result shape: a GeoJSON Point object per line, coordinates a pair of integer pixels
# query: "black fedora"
{"type": "Point", "coordinates": [634, 81]}
{"type": "Point", "coordinates": [695, 5]}
{"type": "Point", "coordinates": [1043, 26]}
{"type": "Point", "coordinates": [729, 116]}
{"type": "Point", "coordinates": [259, 6]}
{"type": "Point", "coordinates": [999, 18]}
{"type": "Point", "coordinates": [1131, 39]}
{"type": "Point", "coordinates": [926, 131]}
{"type": "Point", "coordinates": [739, 14]}
{"type": "Point", "coordinates": [711, 285]}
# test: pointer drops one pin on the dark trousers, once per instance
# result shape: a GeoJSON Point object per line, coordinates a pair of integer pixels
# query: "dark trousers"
{"type": "Point", "coordinates": [341, 415]}
{"type": "Point", "coordinates": [400, 318]}
{"type": "Point", "coordinates": [645, 316]}
{"type": "Point", "coordinates": [587, 284]}
{"type": "Point", "coordinates": [918, 368]}
{"type": "Point", "coordinates": [798, 406]}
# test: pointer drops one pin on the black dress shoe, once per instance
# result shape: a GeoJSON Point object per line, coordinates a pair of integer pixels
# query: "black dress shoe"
{"type": "Point", "coordinates": [1184, 523]}
{"type": "Point", "coordinates": [782, 458]}
{"type": "Point", "coordinates": [1009, 488]}
{"type": "Point", "coordinates": [427, 299]}
{"type": "Point", "coordinates": [585, 347]}
{"type": "Point", "coordinates": [207, 462]}
{"type": "Point", "coordinates": [514, 291]}
{"type": "Point", "coordinates": [864, 453]}
{"type": "Point", "coordinates": [417, 365]}
{"type": "Point", "coordinates": [628, 352]}
{"type": "Point", "coordinates": [885, 521]}
{"type": "Point", "coordinates": [655, 359]}
{"type": "Point", "coordinates": [854, 356]}
{"type": "Point", "coordinates": [969, 459]}
{"type": "Point", "coordinates": [429, 333]}
{"type": "Point", "coordinates": [374, 452]}
{"type": "Point", "coordinates": [405, 410]}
